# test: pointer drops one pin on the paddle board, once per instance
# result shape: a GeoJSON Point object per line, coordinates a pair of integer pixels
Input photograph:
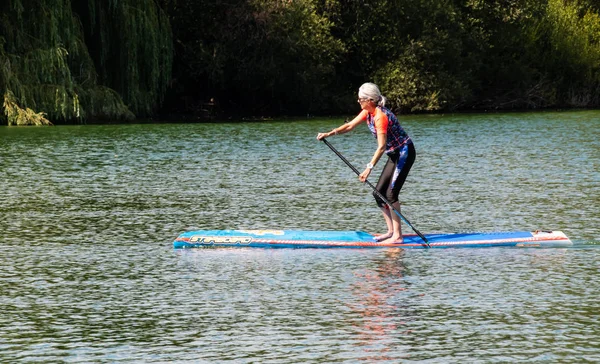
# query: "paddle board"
{"type": "Point", "coordinates": [360, 239]}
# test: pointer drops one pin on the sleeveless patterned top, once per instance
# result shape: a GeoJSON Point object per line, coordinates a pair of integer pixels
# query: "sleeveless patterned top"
{"type": "Point", "coordinates": [395, 134]}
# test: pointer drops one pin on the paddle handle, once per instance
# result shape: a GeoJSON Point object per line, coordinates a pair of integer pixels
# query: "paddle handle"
{"type": "Point", "coordinates": [377, 192]}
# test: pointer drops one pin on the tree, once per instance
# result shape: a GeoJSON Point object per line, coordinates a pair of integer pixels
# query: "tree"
{"type": "Point", "coordinates": [65, 61]}
{"type": "Point", "coordinates": [258, 56]}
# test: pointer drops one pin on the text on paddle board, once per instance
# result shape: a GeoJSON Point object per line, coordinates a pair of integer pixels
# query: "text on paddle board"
{"type": "Point", "coordinates": [220, 239]}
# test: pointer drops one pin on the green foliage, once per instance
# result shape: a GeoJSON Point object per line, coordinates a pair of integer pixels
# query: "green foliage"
{"type": "Point", "coordinates": [261, 56]}
{"type": "Point", "coordinates": [573, 53]}
{"type": "Point", "coordinates": [35, 70]}
{"type": "Point", "coordinates": [21, 116]}
{"type": "Point", "coordinates": [484, 54]}
{"type": "Point", "coordinates": [504, 76]}
{"type": "Point", "coordinates": [131, 44]}
{"type": "Point", "coordinates": [49, 63]}
{"type": "Point", "coordinates": [419, 52]}
{"type": "Point", "coordinates": [68, 61]}
{"type": "Point", "coordinates": [293, 56]}
{"type": "Point", "coordinates": [409, 83]}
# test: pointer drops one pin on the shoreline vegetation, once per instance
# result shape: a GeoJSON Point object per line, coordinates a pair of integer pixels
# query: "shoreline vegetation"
{"type": "Point", "coordinates": [89, 61]}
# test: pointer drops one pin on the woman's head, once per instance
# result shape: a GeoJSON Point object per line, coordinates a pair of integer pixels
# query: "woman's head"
{"type": "Point", "coordinates": [370, 91]}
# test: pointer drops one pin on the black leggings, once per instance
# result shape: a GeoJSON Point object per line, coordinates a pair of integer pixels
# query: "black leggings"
{"type": "Point", "coordinates": [394, 173]}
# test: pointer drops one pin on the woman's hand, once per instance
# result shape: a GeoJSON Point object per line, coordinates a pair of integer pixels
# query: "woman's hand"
{"type": "Point", "coordinates": [323, 135]}
{"type": "Point", "coordinates": [363, 176]}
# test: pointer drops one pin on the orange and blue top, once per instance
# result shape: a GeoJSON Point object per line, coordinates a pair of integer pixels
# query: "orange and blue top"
{"type": "Point", "coordinates": [384, 121]}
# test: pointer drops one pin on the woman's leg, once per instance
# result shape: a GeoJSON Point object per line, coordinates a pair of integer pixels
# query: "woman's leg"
{"type": "Point", "coordinates": [396, 233]}
{"type": "Point", "coordinates": [382, 186]}
{"type": "Point", "coordinates": [388, 221]}
{"type": "Point", "coordinates": [403, 164]}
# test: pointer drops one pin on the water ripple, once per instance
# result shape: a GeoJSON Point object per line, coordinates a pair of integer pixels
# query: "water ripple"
{"type": "Point", "coordinates": [88, 272]}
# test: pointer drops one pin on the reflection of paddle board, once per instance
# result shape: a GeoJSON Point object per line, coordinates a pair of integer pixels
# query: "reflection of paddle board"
{"type": "Point", "coordinates": [359, 239]}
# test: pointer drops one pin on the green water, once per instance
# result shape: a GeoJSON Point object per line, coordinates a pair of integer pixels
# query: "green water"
{"type": "Point", "coordinates": [88, 215]}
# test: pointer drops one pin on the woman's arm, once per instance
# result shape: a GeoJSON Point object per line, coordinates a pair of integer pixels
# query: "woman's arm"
{"type": "Point", "coordinates": [344, 128]}
{"type": "Point", "coordinates": [381, 145]}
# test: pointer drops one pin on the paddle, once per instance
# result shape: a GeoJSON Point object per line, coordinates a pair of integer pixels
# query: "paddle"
{"type": "Point", "coordinates": [377, 192]}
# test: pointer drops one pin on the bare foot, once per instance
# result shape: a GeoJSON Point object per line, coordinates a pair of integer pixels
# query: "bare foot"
{"type": "Point", "coordinates": [381, 237]}
{"type": "Point", "coordinates": [393, 240]}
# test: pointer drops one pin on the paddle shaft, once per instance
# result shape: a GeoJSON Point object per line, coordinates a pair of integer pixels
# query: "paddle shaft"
{"type": "Point", "coordinates": [377, 192]}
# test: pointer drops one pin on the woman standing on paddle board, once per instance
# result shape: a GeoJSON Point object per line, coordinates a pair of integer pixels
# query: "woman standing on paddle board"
{"type": "Point", "coordinates": [392, 140]}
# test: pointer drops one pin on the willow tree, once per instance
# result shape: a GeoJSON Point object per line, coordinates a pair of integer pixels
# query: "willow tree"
{"type": "Point", "coordinates": [68, 61]}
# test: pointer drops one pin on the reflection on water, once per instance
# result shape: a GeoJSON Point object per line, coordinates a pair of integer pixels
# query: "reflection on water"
{"type": "Point", "coordinates": [378, 300]}
{"type": "Point", "coordinates": [88, 216]}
